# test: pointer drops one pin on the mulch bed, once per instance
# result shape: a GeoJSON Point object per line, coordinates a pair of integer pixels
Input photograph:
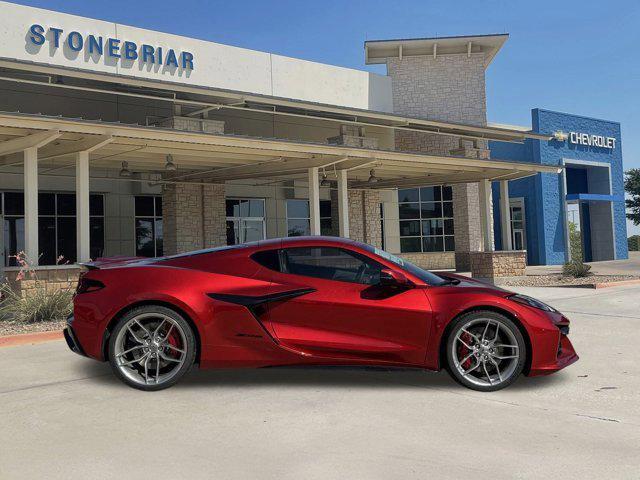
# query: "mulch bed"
{"type": "Point", "coordinates": [17, 328]}
{"type": "Point", "coordinates": [562, 281]}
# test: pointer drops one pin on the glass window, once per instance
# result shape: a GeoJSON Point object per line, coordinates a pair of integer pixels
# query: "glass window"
{"type": "Point", "coordinates": [268, 258]}
{"type": "Point", "coordinates": [245, 220]}
{"type": "Point", "coordinates": [299, 218]}
{"type": "Point", "coordinates": [56, 226]}
{"type": "Point", "coordinates": [148, 225]}
{"type": "Point", "coordinates": [426, 219]}
{"type": "Point", "coordinates": [331, 263]}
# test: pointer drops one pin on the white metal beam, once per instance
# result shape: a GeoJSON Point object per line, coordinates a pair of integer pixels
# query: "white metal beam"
{"type": "Point", "coordinates": [35, 140]}
{"type": "Point", "coordinates": [343, 204]}
{"type": "Point", "coordinates": [485, 214]}
{"type": "Point", "coordinates": [314, 201]}
{"type": "Point", "coordinates": [505, 215]}
{"type": "Point", "coordinates": [88, 145]}
{"type": "Point", "coordinates": [82, 206]}
{"type": "Point", "coordinates": [31, 247]}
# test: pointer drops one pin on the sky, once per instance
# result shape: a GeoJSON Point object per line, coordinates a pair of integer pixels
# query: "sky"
{"type": "Point", "coordinates": [577, 56]}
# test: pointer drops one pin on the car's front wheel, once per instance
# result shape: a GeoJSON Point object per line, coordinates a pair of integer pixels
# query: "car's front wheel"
{"type": "Point", "coordinates": [151, 347]}
{"type": "Point", "coordinates": [485, 351]}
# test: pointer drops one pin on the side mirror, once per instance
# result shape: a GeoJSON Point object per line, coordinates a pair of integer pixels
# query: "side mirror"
{"type": "Point", "coordinates": [390, 277]}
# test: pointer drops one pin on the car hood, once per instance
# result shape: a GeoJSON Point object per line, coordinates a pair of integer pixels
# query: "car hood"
{"type": "Point", "coordinates": [475, 284]}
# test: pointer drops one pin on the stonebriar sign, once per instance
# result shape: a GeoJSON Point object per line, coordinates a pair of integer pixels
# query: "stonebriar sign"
{"type": "Point", "coordinates": [115, 48]}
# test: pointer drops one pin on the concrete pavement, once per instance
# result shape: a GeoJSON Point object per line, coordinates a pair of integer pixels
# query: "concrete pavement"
{"type": "Point", "coordinates": [63, 416]}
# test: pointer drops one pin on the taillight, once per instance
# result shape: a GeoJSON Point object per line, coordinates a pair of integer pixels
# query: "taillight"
{"type": "Point", "coordinates": [87, 285]}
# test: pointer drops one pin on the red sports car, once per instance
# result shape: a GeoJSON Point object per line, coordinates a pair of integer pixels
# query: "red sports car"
{"type": "Point", "coordinates": [307, 301]}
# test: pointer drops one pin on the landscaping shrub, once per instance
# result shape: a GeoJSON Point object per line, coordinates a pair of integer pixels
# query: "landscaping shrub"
{"type": "Point", "coordinates": [576, 269]}
{"type": "Point", "coordinates": [38, 304]}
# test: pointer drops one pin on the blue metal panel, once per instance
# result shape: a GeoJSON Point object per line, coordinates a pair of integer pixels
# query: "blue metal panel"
{"type": "Point", "coordinates": [543, 194]}
{"type": "Point", "coordinates": [594, 197]}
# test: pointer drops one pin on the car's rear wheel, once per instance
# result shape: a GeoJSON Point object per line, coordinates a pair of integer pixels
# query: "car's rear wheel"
{"type": "Point", "coordinates": [151, 347]}
{"type": "Point", "coordinates": [485, 351]}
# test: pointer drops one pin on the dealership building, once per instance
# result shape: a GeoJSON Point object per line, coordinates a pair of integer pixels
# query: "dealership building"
{"type": "Point", "coordinates": [116, 140]}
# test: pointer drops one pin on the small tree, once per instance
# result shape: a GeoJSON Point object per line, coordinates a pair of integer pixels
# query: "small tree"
{"type": "Point", "coordinates": [575, 242]}
{"type": "Point", "coordinates": [634, 243]}
{"type": "Point", "coordinates": [632, 187]}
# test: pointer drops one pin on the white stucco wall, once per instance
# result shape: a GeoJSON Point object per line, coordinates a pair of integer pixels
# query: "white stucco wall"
{"type": "Point", "coordinates": [215, 65]}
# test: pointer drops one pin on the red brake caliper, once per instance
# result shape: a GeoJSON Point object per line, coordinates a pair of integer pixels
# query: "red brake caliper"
{"type": "Point", "coordinates": [464, 351]}
{"type": "Point", "coordinates": [174, 341]}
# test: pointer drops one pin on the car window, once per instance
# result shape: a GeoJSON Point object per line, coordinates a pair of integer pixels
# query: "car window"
{"type": "Point", "coordinates": [268, 259]}
{"type": "Point", "coordinates": [331, 263]}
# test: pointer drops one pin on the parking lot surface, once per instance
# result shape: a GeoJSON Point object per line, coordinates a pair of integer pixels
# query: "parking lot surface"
{"type": "Point", "coordinates": [64, 416]}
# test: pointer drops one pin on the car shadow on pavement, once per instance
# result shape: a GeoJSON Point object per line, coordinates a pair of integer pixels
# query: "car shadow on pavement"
{"type": "Point", "coordinates": [329, 377]}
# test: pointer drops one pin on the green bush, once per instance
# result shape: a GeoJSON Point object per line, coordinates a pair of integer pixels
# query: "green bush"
{"type": "Point", "coordinates": [634, 243]}
{"type": "Point", "coordinates": [38, 305]}
{"type": "Point", "coordinates": [576, 269]}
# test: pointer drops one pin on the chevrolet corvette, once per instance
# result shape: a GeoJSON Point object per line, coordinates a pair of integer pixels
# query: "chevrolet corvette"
{"type": "Point", "coordinates": [307, 301]}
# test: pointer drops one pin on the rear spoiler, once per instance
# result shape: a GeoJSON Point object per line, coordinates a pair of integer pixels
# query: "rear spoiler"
{"type": "Point", "coordinates": [103, 262]}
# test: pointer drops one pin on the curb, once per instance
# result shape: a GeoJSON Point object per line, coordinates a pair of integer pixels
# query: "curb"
{"type": "Point", "coordinates": [30, 338]}
{"type": "Point", "coordinates": [614, 284]}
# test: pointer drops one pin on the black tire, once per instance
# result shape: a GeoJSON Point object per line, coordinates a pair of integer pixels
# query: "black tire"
{"type": "Point", "coordinates": [189, 350]}
{"type": "Point", "coordinates": [515, 365]}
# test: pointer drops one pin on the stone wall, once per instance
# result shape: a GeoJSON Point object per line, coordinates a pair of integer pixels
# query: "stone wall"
{"type": "Point", "coordinates": [494, 265]}
{"type": "Point", "coordinates": [431, 260]}
{"type": "Point", "coordinates": [51, 278]}
{"type": "Point", "coordinates": [194, 217]}
{"type": "Point", "coordinates": [364, 217]}
{"type": "Point", "coordinates": [449, 88]}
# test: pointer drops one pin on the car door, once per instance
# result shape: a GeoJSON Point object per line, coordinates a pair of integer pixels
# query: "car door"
{"type": "Point", "coordinates": [344, 314]}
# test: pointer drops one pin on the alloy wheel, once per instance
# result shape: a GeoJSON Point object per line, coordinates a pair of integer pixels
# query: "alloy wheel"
{"type": "Point", "coordinates": [485, 352]}
{"type": "Point", "coordinates": [150, 349]}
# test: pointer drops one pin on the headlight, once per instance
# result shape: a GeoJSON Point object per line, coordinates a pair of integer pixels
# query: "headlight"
{"type": "Point", "coordinates": [531, 302]}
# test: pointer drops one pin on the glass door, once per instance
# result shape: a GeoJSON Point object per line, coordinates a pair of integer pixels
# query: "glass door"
{"type": "Point", "coordinates": [518, 231]}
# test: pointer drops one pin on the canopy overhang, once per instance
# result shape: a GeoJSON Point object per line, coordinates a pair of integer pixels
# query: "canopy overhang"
{"type": "Point", "coordinates": [218, 158]}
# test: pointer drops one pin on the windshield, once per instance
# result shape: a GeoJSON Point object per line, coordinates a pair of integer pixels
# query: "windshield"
{"type": "Point", "coordinates": [424, 275]}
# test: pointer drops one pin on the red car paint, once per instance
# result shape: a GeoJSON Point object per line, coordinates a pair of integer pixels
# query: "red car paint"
{"type": "Point", "coordinates": [323, 322]}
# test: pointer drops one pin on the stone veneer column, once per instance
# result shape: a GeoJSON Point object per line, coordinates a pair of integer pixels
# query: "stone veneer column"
{"type": "Point", "coordinates": [448, 88]}
{"type": "Point", "coordinates": [364, 217]}
{"type": "Point", "coordinates": [214, 215]}
{"type": "Point", "coordinates": [194, 217]}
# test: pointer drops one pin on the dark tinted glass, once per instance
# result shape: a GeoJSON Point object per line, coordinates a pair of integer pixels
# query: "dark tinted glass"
{"type": "Point", "coordinates": [96, 237]}
{"type": "Point", "coordinates": [47, 240]}
{"type": "Point", "coordinates": [410, 245]}
{"type": "Point", "coordinates": [13, 239]}
{"type": "Point", "coordinates": [409, 210]}
{"type": "Point", "coordinates": [431, 210]}
{"type": "Point", "coordinates": [159, 238]}
{"type": "Point", "coordinates": [326, 228]}
{"type": "Point", "coordinates": [268, 259]}
{"type": "Point", "coordinates": [325, 208]}
{"type": "Point", "coordinates": [46, 205]}
{"type": "Point", "coordinates": [298, 227]}
{"type": "Point", "coordinates": [66, 239]}
{"type": "Point", "coordinates": [432, 244]}
{"type": "Point", "coordinates": [297, 209]}
{"type": "Point", "coordinates": [448, 227]}
{"type": "Point", "coordinates": [232, 234]}
{"type": "Point", "coordinates": [447, 209]}
{"type": "Point", "coordinates": [13, 203]}
{"type": "Point", "coordinates": [144, 206]}
{"type": "Point", "coordinates": [144, 238]}
{"type": "Point", "coordinates": [158, 201]}
{"type": "Point", "coordinates": [447, 193]}
{"type": "Point", "coordinates": [96, 205]}
{"type": "Point", "coordinates": [432, 227]}
{"type": "Point", "coordinates": [331, 264]}
{"type": "Point", "coordinates": [410, 228]}
{"type": "Point", "coordinates": [430, 194]}
{"type": "Point", "coordinates": [449, 243]}
{"type": "Point", "coordinates": [232, 208]}
{"type": "Point", "coordinates": [66, 204]}
{"type": "Point", "coordinates": [408, 195]}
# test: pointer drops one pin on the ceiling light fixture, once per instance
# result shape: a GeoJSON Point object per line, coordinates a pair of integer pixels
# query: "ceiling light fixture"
{"type": "Point", "coordinates": [372, 177]}
{"type": "Point", "coordinates": [170, 166]}
{"type": "Point", "coordinates": [324, 182]}
{"type": "Point", "coordinates": [124, 171]}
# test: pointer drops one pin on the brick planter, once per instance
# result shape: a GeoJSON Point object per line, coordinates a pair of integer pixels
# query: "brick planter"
{"type": "Point", "coordinates": [500, 264]}
{"type": "Point", "coordinates": [51, 278]}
